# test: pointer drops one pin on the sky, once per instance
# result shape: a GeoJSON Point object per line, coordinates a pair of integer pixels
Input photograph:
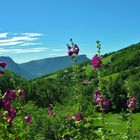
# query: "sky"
{"type": "Point", "coordinates": [36, 29]}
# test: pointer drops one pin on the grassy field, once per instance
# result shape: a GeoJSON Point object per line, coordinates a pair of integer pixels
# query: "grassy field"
{"type": "Point", "coordinates": [119, 126]}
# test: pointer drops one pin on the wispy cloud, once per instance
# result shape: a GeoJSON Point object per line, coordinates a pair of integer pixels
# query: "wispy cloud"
{"type": "Point", "coordinates": [57, 50]}
{"type": "Point", "coordinates": [3, 35]}
{"type": "Point", "coordinates": [32, 34]}
{"type": "Point", "coordinates": [22, 39]}
{"type": "Point", "coordinates": [10, 43]}
{"type": "Point", "coordinates": [30, 44]}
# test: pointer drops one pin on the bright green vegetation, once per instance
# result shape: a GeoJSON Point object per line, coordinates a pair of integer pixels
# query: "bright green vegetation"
{"type": "Point", "coordinates": [58, 89]}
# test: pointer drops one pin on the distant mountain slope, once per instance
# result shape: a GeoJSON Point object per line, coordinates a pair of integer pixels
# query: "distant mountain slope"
{"type": "Point", "coordinates": [50, 65]}
{"type": "Point", "coordinates": [11, 65]}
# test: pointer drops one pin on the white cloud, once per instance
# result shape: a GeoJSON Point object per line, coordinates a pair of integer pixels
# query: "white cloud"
{"type": "Point", "coordinates": [10, 43]}
{"type": "Point", "coordinates": [20, 39]}
{"type": "Point", "coordinates": [29, 44]}
{"type": "Point", "coordinates": [32, 34]}
{"type": "Point", "coordinates": [3, 35]}
{"type": "Point", "coordinates": [57, 50]}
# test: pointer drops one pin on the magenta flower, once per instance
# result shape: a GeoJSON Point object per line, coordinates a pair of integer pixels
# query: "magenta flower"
{"type": "Point", "coordinates": [12, 95]}
{"type": "Point", "coordinates": [11, 114]}
{"type": "Point", "coordinates": [50, 111]}
{"type": "Point", "coordinates": [131, 103]}
{"type": "Point", "coordinates": [104, 103]}
{"type": "Point", "coordinates": [70, 53]}
{"type": "Point", "coordinates": [73, 51]}
{"type": "Point", "coordinates": [79, 117]}
{"type": "Point", "coordinates": [3, 64]}
{"type": "Point", "coordinates": [28, 119]}
{"type": "Point", "coordinates": [76, 49]}
{"type": "Point", "coordinates": [96, 62]}
{"type": "Point", "coordinates": [20, 94]}
{"type": "Point", "coordinates": [69, 116]}
{"type": "Point", "coordinates": [97, 95]}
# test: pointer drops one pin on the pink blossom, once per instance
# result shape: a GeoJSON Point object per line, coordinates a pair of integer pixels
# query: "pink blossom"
{"type": "Point", "coordinates": [20, 94]}
{"type": "Point", "coordinates": [97, 95]}
{"type": "Point", "coordinates": [131, 103]}
{"type": "Point", "coordinates": [104, 103]}
{"type": "Point", "coordinates": [69, 116]}
{"type": "Point", "coordinates": [3, 64]}
{"type": "Point", "coordinates": [96, 62]}
{"type": "Point", "coordinates": [28, 119]}
{"type": "Point", "coordinates": [76, 49]}
{"type": "Point", "coordinates": [79, 117]}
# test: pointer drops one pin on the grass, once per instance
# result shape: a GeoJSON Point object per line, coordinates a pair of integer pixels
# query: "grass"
{"type": "Point", "coordinates": [115, 123]}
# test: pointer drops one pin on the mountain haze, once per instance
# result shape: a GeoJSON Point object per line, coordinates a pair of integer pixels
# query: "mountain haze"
{"type": "Point", "coordinates": [50, 65]}
{"type": "Point", "coordinates": [41, 67]}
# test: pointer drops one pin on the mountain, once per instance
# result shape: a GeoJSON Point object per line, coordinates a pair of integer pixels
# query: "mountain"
{"type": "Point", "coordinates": [50, 65]}
{"type": "Point", "coordinates": [11, 65]}
{"type": "Point", "coordinates": [41, 67]}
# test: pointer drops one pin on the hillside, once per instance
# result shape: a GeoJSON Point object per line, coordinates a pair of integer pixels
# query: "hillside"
{"type": "Point", "coordinates": [37, 68]}
{"type": "Point", "coordinates": [13, 66]}
{"type": "Point", "coordinates": [50, 65]}
{"type": "Point", "coordinates": [60, 89]}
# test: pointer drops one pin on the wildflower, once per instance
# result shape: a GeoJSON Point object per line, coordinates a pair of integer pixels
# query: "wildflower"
{"type": "Point", "coordinates": [69, 116]}
{"type": "Point", "coordinates": [97, 95]}
{"type": "Point", "coordinates": [12, 95]}
{"type": "Point", "coordinates": [104, 103]}
{"type": "Point", "coordinates": [76, 49]}
{"type": "Point", "coordinates": [28, 119]}
{"type": "Point", "coordinates": [11, 114]}
{"type": "Point", "coordinates": [79, 117]}
{"type": "Point", "coordinates": [20, 94]}
{"type": "Point", "coordinates": [131, 103]}
{"type": "Point", "coordinates": [70, 53]}
{"type": "Point", "coordinates": [50, 111]}
{"type": "Point", "coordinates": [96, 62]}
{"type": "Point", "coordinates": [3, 64]}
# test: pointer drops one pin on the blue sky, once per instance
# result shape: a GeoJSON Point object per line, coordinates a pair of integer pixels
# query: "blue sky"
{"type": "Point", "coordinates": [35, 29]}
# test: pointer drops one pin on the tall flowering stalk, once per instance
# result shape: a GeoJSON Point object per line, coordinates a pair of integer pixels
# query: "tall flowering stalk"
{"type": "Point", "coordinates": [99, 96]}
{"type": "Point", "coordinates": [131, 106]}
{"type": "Point", "coordinates": [73, 51]}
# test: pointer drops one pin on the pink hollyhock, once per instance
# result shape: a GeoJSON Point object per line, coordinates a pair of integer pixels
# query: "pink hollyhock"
{"type": "Point", "coordinates": [70, 53]}
{"type": "Point", "coordinates": [69, 116]}
{"type": "Point", "coordinates": [96, 62]}
{"type": "Point", "coordinates": [3, 64]}
{"type": "Point", "coordinates": [73, 51]}
{"type": "Point", "coordinates": [104, 103]}
{"type": "Point", "coordinates": [12, 95]}
{"type": "Point", "coordinates": [76, 49]}
{"type": "Point", "coordinates": [50, 111]}
{"type": "Point", "coordinates": [11, 114]}
{"type": "Point", "coordinates": [79, 117]}
{"type": "Point", "coordinates": [28, 119]}
{"type": "Point", "coordinates": [97, 95]}
{"type": "Point", "coordinates": [131, 103]}
{"type": "Point", "coordinates": [20, 94]}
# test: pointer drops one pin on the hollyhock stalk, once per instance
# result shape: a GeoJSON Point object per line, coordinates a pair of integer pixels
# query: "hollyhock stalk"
{"type": "Point", "coordinates": [131, 104]}
{"type": "Point", "coordinates": [103, 102]}
{"type": "Point", "coordinates": [77, 89]}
